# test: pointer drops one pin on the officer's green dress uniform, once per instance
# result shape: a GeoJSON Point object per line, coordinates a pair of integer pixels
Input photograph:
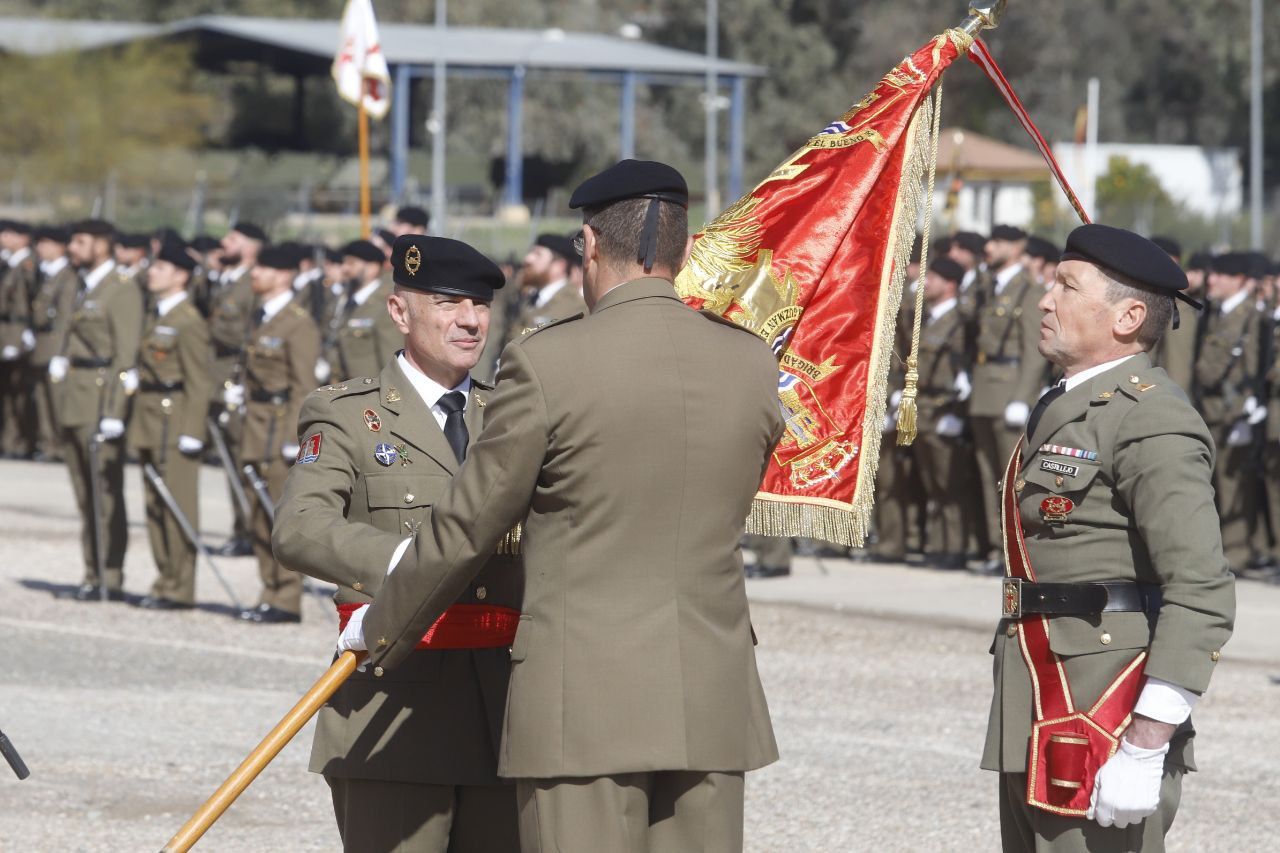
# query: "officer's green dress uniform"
{"type": "Point", "coordinates": [51, 311]}
{"type": "Point", "coordinates": [565, 302]}
{"type": "Point", "coordinates": [1007, 367]}
{"type": "Point", "coordinates": [17, 282]}
{"type": "Point", "coordinates": [280, 364]}
{"type": "Point", "coordinates": [231, 306]}
{"type": "Point", "coordinates": [101, 345]}
{"type": "Point", "coordinates": [1227, 373]}
{"type": "Point", "coordinates": [172, 400]}
{"type": "Point", "coordinates": [412, 756]}
{"type": "Point", "coordinates": [362, 337]}
{"type": "Point", "coordinates": [1134, 462]}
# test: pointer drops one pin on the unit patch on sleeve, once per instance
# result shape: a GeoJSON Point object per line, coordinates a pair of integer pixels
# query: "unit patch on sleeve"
{"type": "Point", "coordinates": [310, 449]}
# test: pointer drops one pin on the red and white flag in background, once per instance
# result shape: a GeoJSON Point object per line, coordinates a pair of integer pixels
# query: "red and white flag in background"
{"type": "Point", "coordinates": [360, 69]}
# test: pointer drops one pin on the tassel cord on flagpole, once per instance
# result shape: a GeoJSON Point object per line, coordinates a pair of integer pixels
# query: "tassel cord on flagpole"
{"type": "Point", "coordinates": [907, 409]}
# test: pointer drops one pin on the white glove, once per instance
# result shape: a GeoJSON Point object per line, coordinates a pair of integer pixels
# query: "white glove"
{"type": "Point", "coordinates": [129, 381]}
{"type": "Point", "coordinates": [1015, 414]}
{"type": "Point", "coordinates": [189, 446]}
{"type": "Point", "coordinates": [949, 425]}
{"type": "Point", "coordinates": [1127, 787]}
{"type": "Point", "coordinates": [1254, 412]}
{"type": "Point", "coordinates": [322, 371]}
{"type": "Point", "coordinates": [28, 340]}
{"type": "Point", "coordinates": [58, 368]}
{"type": "Point", "coordinates": [111, 428]}
{"type": "Point", "coordinates": [8, 353]}
{"type": "Point", "coordinates": [233, 396]}
{"type": "Point", "coordinates": [352, 636]}
{"type": "Point", "coordinates": [289, 452]}
{"type": "Point", "coordinates": [962, 386]}
{"type": "Point", "coordinates": [1241, 434]}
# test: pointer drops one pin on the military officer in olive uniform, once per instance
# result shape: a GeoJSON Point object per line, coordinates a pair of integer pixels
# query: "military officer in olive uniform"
{"type": "Point", "coordinates": [544, 278]}
{"type": "Point", "coordinates": [361, 335]}
{"type": "Point", "coordinates": [1228, 379]}
{"type": "Point", "coordinates": [279, 371]}
{"type": "Point", "coordinates": [938, 450]}
{"type": "Point", "coordinates": [168, 426]}
{"type": "Point", "coordinates": [91, 397]}
{"type": "Point", "coordinates": [1008, 371]}
{"type": "Point", "coordinates": [1176, 352]}
{"type": "Point", "coordinates": [635, 704]}
{"type": "Point", "coordinates": [17, 340]}
{"type": "Point", "coordinates": [50, 315]}
{"type": "Point", "coordinates": [1115, 495]}
{"type": "Point", "coordinates": [231, 307]}
{"type": "Point", "coordinates": [411, 757]}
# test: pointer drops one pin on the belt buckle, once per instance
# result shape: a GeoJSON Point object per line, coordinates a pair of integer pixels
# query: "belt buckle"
{"type": "Point", "coordinates": [1011, 598]}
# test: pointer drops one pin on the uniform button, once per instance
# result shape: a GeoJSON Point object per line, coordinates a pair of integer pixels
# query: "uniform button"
{"type": "Point", "coordinates": [1105, 639]}
{"type": "Point", "coordinates": [382, 641]}
{"type": "Point", "coordinates": [1134, 380]}
{"type": "Point", "coordinates": [357, 586]}
{"type": "Point", "coordinates": [1058, 481]}
{"type": "Point", "coordinates": [1105, 395]}
{"type": "Point", "coordinates": [368, 382]}
{"type": "Point", "coordinates": [377, 672]}
{"type": "Point", "coordinates": [1012, 630]}
{"type": "Point", "coordinates": [1214, 656]}
{"type": "Point", "coordinates": [1019, 485]}
{"type": "Point", "coordinates": [482, 593]}
{"type": "Point", "coordinates": [408, 498]}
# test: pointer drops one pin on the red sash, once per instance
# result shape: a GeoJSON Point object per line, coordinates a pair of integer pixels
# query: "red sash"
{"type": "Point", "coordinates": [462, 626]}
{"type": "Point", "coordinates": [1068, 746]}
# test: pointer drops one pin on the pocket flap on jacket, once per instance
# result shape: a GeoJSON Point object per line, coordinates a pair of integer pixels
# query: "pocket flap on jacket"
{"type": "Point", "coordinates": [1074, 635]}
{"type": "Point", "coordinates": [520, 646]}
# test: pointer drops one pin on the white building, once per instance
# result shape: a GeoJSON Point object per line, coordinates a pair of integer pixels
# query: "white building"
{"type": "Point", "coordinates": [983, 182]}
{"type": "Point", "coordinates": [1208, 181]}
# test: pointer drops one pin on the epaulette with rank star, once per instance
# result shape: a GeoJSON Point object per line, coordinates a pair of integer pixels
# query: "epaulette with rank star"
{"type": "Point", "coordinates": [529, 333]}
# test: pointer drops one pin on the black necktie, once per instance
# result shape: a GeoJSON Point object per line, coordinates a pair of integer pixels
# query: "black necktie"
{"type": "Point", "coordinates": [1052, 394]}
{"type": "Point", "coordinates": [455, 428]}
{"type": "Point", "coordinates": [259, 317]}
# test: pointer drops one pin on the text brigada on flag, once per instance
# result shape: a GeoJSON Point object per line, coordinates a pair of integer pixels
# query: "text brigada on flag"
{"type": "Point", "coordinates": [359, 66]}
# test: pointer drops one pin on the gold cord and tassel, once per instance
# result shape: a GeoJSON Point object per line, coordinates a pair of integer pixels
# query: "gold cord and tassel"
{"type": "Point", "coordinates": [907, 406]}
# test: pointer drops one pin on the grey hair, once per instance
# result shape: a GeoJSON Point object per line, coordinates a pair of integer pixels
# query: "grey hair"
{"type": "Point", "coordinates": [1160, 307]}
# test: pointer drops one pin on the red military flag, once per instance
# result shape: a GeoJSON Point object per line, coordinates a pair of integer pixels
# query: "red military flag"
{"type": "Point", "coordinates": [813, 261]}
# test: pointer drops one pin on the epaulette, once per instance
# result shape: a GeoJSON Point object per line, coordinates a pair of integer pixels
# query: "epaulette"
{"type": "Point", "coordinates": [1136, 386]}
{"type": "Point", "coordinates": [299, 310]}
{"type": "Point", "coordinates": [483, 386]}
{"type": "Point", "coordinates": [348, 388]}
{"type": "Point", "coordinates": [529, 333]}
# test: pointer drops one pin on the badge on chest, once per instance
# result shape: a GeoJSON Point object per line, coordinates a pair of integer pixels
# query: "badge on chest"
{"type": "Point", "coordinates": [1055, 467]}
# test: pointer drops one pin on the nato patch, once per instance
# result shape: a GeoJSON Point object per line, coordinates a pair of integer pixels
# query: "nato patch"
{"type": "Point", "coordinates": [386, 455]}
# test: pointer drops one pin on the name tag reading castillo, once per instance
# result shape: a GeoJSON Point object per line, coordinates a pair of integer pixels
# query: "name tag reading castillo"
{"type": "Point", "coordinates": [1059, 467]}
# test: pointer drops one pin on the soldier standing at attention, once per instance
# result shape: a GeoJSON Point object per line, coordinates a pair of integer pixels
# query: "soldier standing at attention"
{"type": "Point", "coordinates": [279, 371]}
{"type": "Point", "coordinates": [635, 705]}
{"type": "Point", "coordinates": [411, 759]}
{"type": "Point", "coordinates": [50, 314]}
{"type": "Point", "coordinates": [91, 397]}
{"type": "Point", "coordinates": [168, 427]}
{"type": "Point", "coordinates": [1228, 377]}
{"type": "Point", "coordinates": [1118, 599]}
{"type": "Point", "coordinates": [17, 340]}
{"type": "Point", "coordinates": [231, 304]}
{"type": "Point", "coordinates": [1008, 370]}
{"type": "Point", "coordinates": [546, 274]}
{"type": "Point", "coordinates": [362, 336]}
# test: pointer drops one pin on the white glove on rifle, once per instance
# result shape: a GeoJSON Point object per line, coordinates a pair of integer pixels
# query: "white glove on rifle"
{"type": "Point", "coordinates": [58, 368]}
{"type": "Point", "coordinates": [1127, 788]}
{"type": "Point", "coordinates": [1241, 434]}
{"type": "Point", "coordinates": [28, 340]}
{"type": "Point", "coordinates": [352, 636]}
{"type": "Point", "coordinates": [289, 452]}
{"type": "Point", "coordinates": [1015, 414]}
{"type": "Point", "coordinates": [129, 381]}
{"type": "Point", "coordinates": [963, 387]}
{"type": "Point", "coordinates": [111, 428]}
{"type": "Point", "coordinates": [949, 425]}
{"type": "Point", "coordinates": [189, 446]}
{"type": "Point", "coordinates": [233, 396]}
{"type": "Point", "coordinates": [8, 354]}
{"type": "Point", "coordinates": [1254, 412]}
{"type": "Point", "coordinates": [322, 371]}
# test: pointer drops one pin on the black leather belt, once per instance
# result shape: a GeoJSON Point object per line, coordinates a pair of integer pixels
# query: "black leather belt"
{"type": "Point", "coordinates": [1021, 598]}
{"type": "Point", "coordinates": [90, 363]}
{"type": "Point", "coordinates": [278, 397]}
{"type": "Point", "coordinates": [224, 351]}
{"type": "Point", "coordinates": [40, 330]}
{"type": "Point", "coordinates": [983, 358]}
{"type": "Point", "coordinates": [160, 387]}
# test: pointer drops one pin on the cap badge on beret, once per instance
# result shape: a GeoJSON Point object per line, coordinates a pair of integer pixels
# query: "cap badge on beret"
{"type": "Point", "coordinates": [412, 260]}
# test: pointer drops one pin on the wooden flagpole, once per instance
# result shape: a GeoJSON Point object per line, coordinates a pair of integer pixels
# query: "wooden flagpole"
{"type": "Point", "coordinates": [266, 751]}
{"type": "Point", "coordinates": [365, 205]}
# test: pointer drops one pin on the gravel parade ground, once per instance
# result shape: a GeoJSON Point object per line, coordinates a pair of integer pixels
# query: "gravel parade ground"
{"type": "Point", "coordinates": [877, 678]}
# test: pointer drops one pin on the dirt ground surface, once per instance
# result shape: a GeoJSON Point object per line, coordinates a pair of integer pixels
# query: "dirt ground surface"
{"type": "Point", "coordinates": [878, 679]}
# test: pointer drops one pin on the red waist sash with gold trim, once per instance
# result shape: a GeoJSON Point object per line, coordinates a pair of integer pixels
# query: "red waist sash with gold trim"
{"type": "Point", "coordinates": [1068, 745]}
{"type": "Point", "coordinates": [462, 626]}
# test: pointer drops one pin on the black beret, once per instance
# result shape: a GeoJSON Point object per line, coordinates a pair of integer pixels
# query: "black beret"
{"type": "Point", "coordinates": [332, 256]}
{"type": "Point", "coordinates": [204, 243]}
{"type": "Point", "coordinates": [1230, 263]}
{"type": "Point", "coordinates": [415, 216]}
{"type": "Point", "coordinates": [1256, 264]}
{"type": "Point", "coordinates": [948, 269]}
{"type": "Point", "coordinates": [1171, 247]}
{"type": "Point", "coordinates": [1131, 256]}
{"type": "Point", "coordinates": [253, 232]}
{"type": "Point", "coordinates": [278, 258]}
{"type": "Point", "coordinates": [15, 226]}
{"type": "Point", "coordinates": [175, 252]}
{"type": "Point", "coordinates": [970, 241]}
{"type": "Point", "coordinates": [631, 179]}
{"type": "Point", "coordinates": [52, 233]}
{"type": "Point", "coordinates": [441, 265]}
{"type": "Point", "coordinates": [384, 235]}
{"type": "Point", "coordinates": [94, 227]}
{"type": "Point", "coordinates": [1200, 261]}
{"type": "Point", "coordinates": [1039, 247]}
{"type": "Point", "coordinates": [166, 233]}
{"type": "Point", "coordinates": [1008, 232]}
{"type": "Point", "coordinates": [134, 241]}
{"type": "Point", "coordinates": [562, 246]}
{"type": "Point", "coordinates": [365, 251]}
